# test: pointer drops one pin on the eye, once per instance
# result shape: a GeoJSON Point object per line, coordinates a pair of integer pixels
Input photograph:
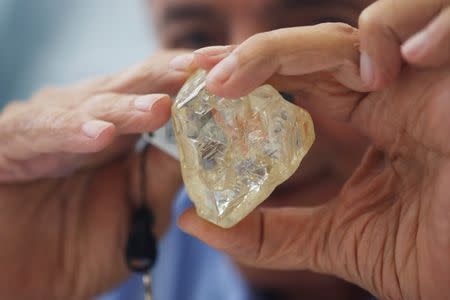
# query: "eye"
{"type": "Point", "coordinates": [195, 39]}
{"type": "Point", "coordinates": [313, 14]}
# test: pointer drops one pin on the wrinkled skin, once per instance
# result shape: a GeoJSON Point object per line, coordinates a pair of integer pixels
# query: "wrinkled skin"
{"type": "Point", "coordinates": [389, 31]}
{"type": "Point", "coordinates": [66, 199]}
{"type": "Point", "coordinates": [74, 226]}
{"type": "Point", "coordinates": [388, 229]}
{"type": "Point", "coordinates": [338, 147]}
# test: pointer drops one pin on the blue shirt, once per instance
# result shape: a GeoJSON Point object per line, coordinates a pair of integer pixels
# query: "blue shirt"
{"type": "Point", "coordinates": [188, 269]}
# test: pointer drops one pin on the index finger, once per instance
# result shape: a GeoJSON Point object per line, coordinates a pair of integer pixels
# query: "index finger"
{"type": "Point", "coordinates": [289, 52]}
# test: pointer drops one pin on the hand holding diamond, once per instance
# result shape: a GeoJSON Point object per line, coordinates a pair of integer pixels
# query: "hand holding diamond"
{"type": "Point", "coordinates": [388, 230]}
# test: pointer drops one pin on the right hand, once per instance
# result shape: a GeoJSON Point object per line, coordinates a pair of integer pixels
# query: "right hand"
{"type": "Point", "coordinates": [66, 178]}
{"type": "Point", "coordinates": [388, 228]}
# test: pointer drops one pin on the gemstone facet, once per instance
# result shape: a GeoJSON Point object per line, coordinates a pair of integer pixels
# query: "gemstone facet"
{"type": "Point", "coordinates": [234, 152]}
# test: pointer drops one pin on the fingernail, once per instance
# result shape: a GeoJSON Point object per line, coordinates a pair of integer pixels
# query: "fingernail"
{"type": "Point", "coordinates": [415, 46]}
{"type": "Point", "coordinates": [367, 69]}
{"type": "Point", "coordinates": [95, 128]}
{"type": "Point", "coordinates": [182, 62]}
{"type": "Point", "coordinates": [145, 103]}
{"type": "Point", "coordinates": [213, 50]}
{"type": "Point", "coordinates": [221, 72]}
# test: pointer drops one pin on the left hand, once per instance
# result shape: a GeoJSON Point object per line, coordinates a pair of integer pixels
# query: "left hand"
{"type": "Point", "coordinates": [60, 130]}
{"type": "Point", "coordinates": [67, 193]}
{"type": "Point", "coordinates": [388, 230]}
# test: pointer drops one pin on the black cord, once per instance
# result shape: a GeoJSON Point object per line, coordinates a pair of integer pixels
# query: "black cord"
{"type": "Point", "coordinates": [141, 248]}
{"type": "Point", "coordinates": [143, 174]}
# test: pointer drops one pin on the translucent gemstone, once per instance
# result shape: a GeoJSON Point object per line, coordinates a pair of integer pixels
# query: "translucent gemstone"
{"type": "Point", "coordinates": [234, 152]}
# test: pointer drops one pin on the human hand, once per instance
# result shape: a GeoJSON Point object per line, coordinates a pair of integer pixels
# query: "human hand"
{"type": "Point", "coordinates": [388, 230]}
{"type": "Point", "coordinates": [415, 31]}
{"type": "Point", "coordinates": [67, 181]}
{"type": "Point", "coordinates": [63, 129]}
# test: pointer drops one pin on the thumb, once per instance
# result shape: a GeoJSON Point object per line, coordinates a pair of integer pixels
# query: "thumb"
{"type": "Point", "coordinates": [281, 238]}
{"type": "Point", "coordinates": [352, 236]}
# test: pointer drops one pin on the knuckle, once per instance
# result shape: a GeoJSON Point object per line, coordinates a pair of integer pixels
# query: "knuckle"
{"type": "Point", "coordinates": [153, 75]}
{"type": "Point", "coordinates": [342, 28]}
{"type": "Point", "coordinates": [146, 70]}
{"type": "Point", "coordinates": [57, 121]}
{"type": "Point", "coordinates": [101, 98]}
{"type": "Point", "coordinates": [100, 102]}
{"type": "Point", "coordinates": [343, 34]}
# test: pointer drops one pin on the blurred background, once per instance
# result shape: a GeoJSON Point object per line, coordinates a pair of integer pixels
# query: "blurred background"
{"type": "Point", "coordinates": [54, 42]}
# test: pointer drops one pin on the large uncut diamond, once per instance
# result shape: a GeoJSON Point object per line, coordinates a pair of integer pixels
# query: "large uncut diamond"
{"type": "Point", "coordinates": [234, 152]}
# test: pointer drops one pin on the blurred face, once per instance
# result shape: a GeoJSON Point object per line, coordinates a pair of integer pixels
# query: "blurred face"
{"type": "Point", "coordinates": [199, 23]}
{"type": "Point", "coordinates": [338, 148]}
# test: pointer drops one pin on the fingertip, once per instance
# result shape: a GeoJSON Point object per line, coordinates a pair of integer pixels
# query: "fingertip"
{"type": "Point", "coordinates": [147, 102]}
{"type": "Point", "coordinates": [206, 62]}
{"type": "Point", "coordinates": [415, 50]}
{"type": "Point", "coordinates": [215, 88]}
{"type": "Point", "coordinates": [367, 69]}
{"type": "Point", "coordinates": [221, 73]}
{"type": "Point", "coordinates": [375, 74]}
{"type": "Point", "coordinates": [186, 221]}
{"type": "Point", "coordinates": [381, 59]}
{"type": "Point", "coordinates": [160, 113]}
{"type": "Point", "coordinates": [233, 88]}
{"type": "Point", "coordinates": [215, 50]}
{"type": "Point", "coordinates": [97, 134]}
{"type": "Point", "coordinates": [234, 77]}
{"type": "Point", "coordinates": [228, 90]}
{"type": "Point", "coordinates": [209, 233]}
{"type": "Point", "coordinates": [240, 240]}
{"type": "Point", "coordinates": [191, 223]}
{"type": "Point", "coordinates": [182, 62]}
{"type": "Point", "coordinates": [207, 58]}
{"type": "Point", "coordinates": [411, 56]}
{"type": "Point", "coordinates": [95, 128]}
